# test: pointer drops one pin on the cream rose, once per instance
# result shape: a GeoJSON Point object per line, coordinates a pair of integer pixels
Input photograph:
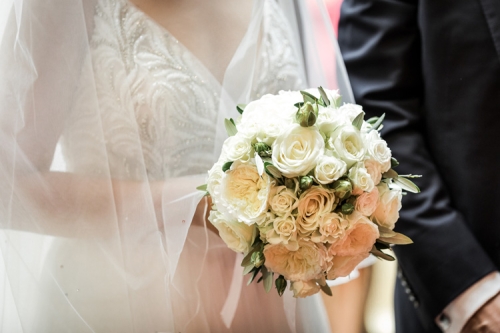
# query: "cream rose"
{"type": "Point", "coordinates": [358, 239]}
{"type": "Point", "coordinates": [374, 169]}
{"type": "Point", "coordinates": [245, 192]}
{"type": "Point", "coordinates": [332, 227]}
{"type": "Point", "coordinates": [237, 148]}
{"type": "Point", "coordinates": [284, 231]}
{"type": "Point", "coordinates": [238, 236]}
{"type": "Point", "coordinates": [303, 289]}
{"type": "Point", "coordinates": [329, 169]}
{"type": "Point", "coordinates": [387, 212]}
{"type": "Point", "coordinates": [296, 152]}
{"type": "Point", "coordinates": [282, 200]}
{"type": "Point", "coordinates": [378, 150]}
{"type": "Point", "coordinates": [367, 202]}
{"type": "Point", "coordinates": [215, 176]}
{"type": "Point", "coordinates": [306, 263]}
{"type": "Point", "coordinates": [361, 179]}
{"type": "Point", "coordinates": [343, 266]}
{"type": "Point", "coordinates": [313, 203]}
{"type": "Point", "coordinates": [346, 141]}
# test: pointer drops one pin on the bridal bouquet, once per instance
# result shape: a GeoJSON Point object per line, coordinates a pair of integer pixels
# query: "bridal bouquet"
{"type": "Point", "coordinates": [304, 187]}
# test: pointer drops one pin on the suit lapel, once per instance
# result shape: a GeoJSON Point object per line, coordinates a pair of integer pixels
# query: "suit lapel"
{"type": "Point", "coordinates": [491, 9]}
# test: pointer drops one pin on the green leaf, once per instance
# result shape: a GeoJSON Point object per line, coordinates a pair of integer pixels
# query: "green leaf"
{"type": "Point", "coordinates": [247, 260]}
{"type": "Point", "coordinates": [376, 252]}
{"type": "Point", "coordinates": [230, 127]}
{"type": "Point", "coordinates": [410, 176]}
{"type": "Point", "coordinates": [398, 239]}
{"type": "Point", "coordinates": [227, 166]}
{"type": "Point", "coordinates": [338, 101]}
{"type": "Point", "coordinates": [326, 289]}
{"type": "Point", "coordinates": [248, 269]}
{"type": "Point", "coordinates": [241, 108]}
{"type": "Point", "coordinates": [407, 184]}
{"type": "Point", "coordinates": [308, 97]}
{"type": "Point", "coordinates": [202, 187]}
{"type": "Point", "coordinates": [358, 121]}
{"type": "Point", "coordinates": [390, 174]}
{"type": "Point", "coordinates": [381, 245]}
{"type": "Point", "coordinates": [372, 120]}
{"type": "Point", "coordinates": [394, 162]}
{"type": "Point", "coordinates": [385, 232]}
{"type": "Point", "coordinates": [272, 171]}
{"type": "Point", "coordinates": [268, 279]}
{"type": "Point", "coordinates": [324, 96]}
{"type": "Point", "coordinates": [378, 123]}
{"type": "Point", "coordinates": [255, 272]}
{"type": "Point", "coordinates": [299, 104]}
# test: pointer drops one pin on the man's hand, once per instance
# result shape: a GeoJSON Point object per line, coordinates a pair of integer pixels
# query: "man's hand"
{"type": "Point", "coordinates": [486, 319]}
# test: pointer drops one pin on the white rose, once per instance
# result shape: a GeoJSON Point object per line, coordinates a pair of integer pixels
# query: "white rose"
{"type": "Point", "coordinates": [387, 212]}
{"type": "Point", "coordinates": [344, 265]}
{"type": "Point", "coordinates": [267, 118]}
{"type": "Point", "coordinates": [361, 179]}
{"type": "Point", "coordinates": [313, 203]}
{"type": "Point", "coordinates": [237, 148]}
{"type": "Point", "coordinates": [374, 168]}
{"type": "Point", "coordinates": [245, 193]}
{"type": "Point", "coordinates": [308, 262]}
{"type": "Point", "coordinates": [358, 239]}
{"type": "Point", "coordinates": [238, 236]}
{"type": "Point", "coordinates": [329, 169]}
{"type": "Point", "coordinates": [295, 152]}
{"type": "Point", "coordinates": [284, 231]}
{"type": "Point", "coordinates": [215, 176]}
{"type": "Point", "coordinates": [303, 289]}
{"type": "Point", "coordinates": [329, 119]}
{"type": "Point", "coordinates": [331, 229]}
{"type": "Point", "coordinates": [378, 150]}
{"type": "Point", "coordinates": [367, 202]}
{"type": "Point", "coordinates": [282, 200]}
{"type": "Point", "coordinates": [346, 141]}
{"type": "Point", "coordinates": [350, 111]}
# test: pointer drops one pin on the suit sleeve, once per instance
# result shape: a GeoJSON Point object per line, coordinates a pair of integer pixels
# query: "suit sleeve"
{"type": "Point", "coordinates": [380, 43]}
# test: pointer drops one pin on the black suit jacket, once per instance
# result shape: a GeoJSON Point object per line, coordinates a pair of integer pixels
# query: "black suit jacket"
{"type": "Point", "coordinates": [433, 66]}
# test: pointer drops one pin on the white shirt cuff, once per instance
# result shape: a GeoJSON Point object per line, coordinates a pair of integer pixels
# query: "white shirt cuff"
{"type": "Point", "coordinates": [461, 309]}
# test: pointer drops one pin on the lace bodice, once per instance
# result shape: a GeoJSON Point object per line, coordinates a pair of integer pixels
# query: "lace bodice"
{"type": "Point", "coordinates": [157, 101]}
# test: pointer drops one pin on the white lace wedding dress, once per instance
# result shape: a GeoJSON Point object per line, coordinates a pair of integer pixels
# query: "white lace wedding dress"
{"type": "Point", "coordinates": [149, 84]}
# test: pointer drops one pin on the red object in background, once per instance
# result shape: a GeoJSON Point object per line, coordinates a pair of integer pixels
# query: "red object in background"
{"type": "Point", "coordinates": [333, 7]}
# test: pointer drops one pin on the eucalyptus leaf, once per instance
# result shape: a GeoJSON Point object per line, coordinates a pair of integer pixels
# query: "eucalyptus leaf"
{"type": "Point", "coordinates": [259, 163]}
{"type": "Point", "coordinates": [326, 289]}
{"type": "Point", "coordinates": [230, 127]}
{"type": "Point", "coordinates": [358, 121]}
{"type": "Point", "coordinates": [227, 166]}
{"type": "Point", "coordinates": [241, 108]}
{"type": "Point", "coordinates": [382, 245]}
{"type": "Point", "coordinates": [372, 120]}
{"type": "Point", "coordinates": [378, 123]}
{"type": "Point", "coordinates": [324, 96]}
{"type": "Point", "coordinates": [308, 97]}
{"type": "Point", "coordinates": [407, 185]}
{"type": "Point", "coordinates": [202, 187]}
{"type": "Point", "coordinates": [398, 239]}
{"type": "Point", "coordinates": [376, 252]}
{"type": "Point", "coordinates": [268, 279]}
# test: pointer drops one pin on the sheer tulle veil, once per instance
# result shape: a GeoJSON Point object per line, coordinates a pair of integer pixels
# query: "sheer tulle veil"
{"type": "Point", "coordinates": [66, 196]}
